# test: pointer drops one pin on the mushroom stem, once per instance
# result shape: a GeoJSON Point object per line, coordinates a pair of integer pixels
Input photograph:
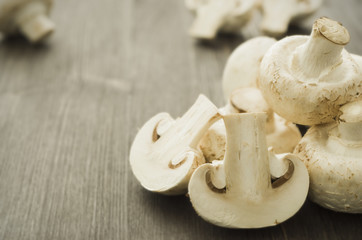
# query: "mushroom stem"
{"type": "Point", "coordinates": [246, 161]}
{"type": "Point", "coordinates": [33, 21]}
{"type": "Point", "coordinates": [190, 128]}
{"type": "Point", "coordinates": [251, 100]}
{"type": "Point", "coordinates": [323, 50]}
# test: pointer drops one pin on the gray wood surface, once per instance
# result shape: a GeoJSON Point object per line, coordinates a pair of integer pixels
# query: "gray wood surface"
{"type": "Point", "coordinates": [70, 109]}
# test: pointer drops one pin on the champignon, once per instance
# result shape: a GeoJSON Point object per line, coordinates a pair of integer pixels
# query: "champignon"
{"type": "Point", "coordinates": [27, 16]}
{"type": "Point", "coordinates": [213, 16]}
{"type": "Point", "coordinates": [242, 67]}
{"type": "Point", "coordinates": [358, 60]}
{"type": "Point", "coordinates": [306, 79]}
{"type": "Point", "coordinates": [333, 155]}
{"type": "Point", "coordinates": [282, 135]}
{"type": "Point", "coordinates": [163, 160]}
{"type": "Point", "coordinates": [240, 194]}
{"type": "Point", "coordinates": [277, 14]}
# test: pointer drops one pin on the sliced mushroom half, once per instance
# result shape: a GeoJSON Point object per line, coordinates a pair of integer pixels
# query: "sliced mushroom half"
{"type": "Point", "coordinates": [239, 192]}
{"type": "Point", "coordinates": [164, 153]}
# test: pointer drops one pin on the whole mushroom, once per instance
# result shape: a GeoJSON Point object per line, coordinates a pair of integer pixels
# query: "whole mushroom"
{"type": "Point", "coordinates": [164, 153]}
{"type": "Point", "coordinates": [333, 156]}
{"type": "Point", "coordinates": [213, 16]}
{"type": "Point", "coordinates": [306, 79]}
{"type": "Point", "coordinates": [238, 192]}
{"type": "Point", "coordinates": [30, 17]}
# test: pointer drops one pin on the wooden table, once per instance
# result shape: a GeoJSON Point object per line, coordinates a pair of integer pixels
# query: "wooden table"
{"type": "Point", "coordinates": [70, 109]}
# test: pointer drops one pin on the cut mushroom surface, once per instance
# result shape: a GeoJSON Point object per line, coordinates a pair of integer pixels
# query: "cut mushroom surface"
{"type": "Point", "coordinates": [282, 135]}
{"type": "Point", "coordinates": [213, 16]}
{"type": "Point", "coordinates": [243, 66]}
{"type": "Point", "coordinates": [30, 17]}
{"type": "Point", "coordinates": [164, 160]}
{"type": "Point", "coordinates": [246, 197]}
{"type": "Point", "coordinates": [333, 156]}
{"type": "Point", "coordinates": [306, 79]}
{"type": "Point", "coordinates": [278, 14]}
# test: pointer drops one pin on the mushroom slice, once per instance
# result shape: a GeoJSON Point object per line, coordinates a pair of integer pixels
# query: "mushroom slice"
{"type": "Point", "coordinates": [277, 14]}
{"type": "Point", "coordinates": [249, 199]}
{"type": "Point", "coordinates": [215, 15]}
{"type": "Point", "coordinates": [27, 16]}
{"type": "Point", "coordinates": [306, 79]}
{"type": "Point", "coordinates": [242, 67]}
{"type": "Point", "coordinates": [163, 161]}
{"type": "Point", "coordinates": [282, 135]}
{"type": "Point", "coordinates": [333, 156]}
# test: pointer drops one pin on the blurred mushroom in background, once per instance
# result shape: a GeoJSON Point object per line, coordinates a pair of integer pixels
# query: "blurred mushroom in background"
{"type": "Point", "coordinates": [28, 17]}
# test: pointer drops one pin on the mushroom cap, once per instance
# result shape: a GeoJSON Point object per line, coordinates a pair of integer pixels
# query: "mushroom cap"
{"type": "Point", "coordinates": [220, 208]}
{"type": "Point", "coordinates": [358, 60]}
{"type": "Point", "coordinates": [8, 9]}
{"type": "Point", "coordinates": [335, 168]}
{"type": "Point", "coordinates": [164, 163]}
{"type": "Point", "coordinates": [243, 66]}
{"type": "Point", "coordinates": [248, 99]}
{"type": "Point", "coordinates": [351, 112]}
{"type": "Point", "coordinates": [306, 102]}
{"type": "Point", "coordinates": [244, 202]}
{"type": "Point", "coordinates": [285, 136]}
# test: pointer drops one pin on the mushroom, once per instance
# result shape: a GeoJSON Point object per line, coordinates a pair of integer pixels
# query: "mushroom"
{"type": "Point", "coordinates": [238, 192]}
{"type": "Point", "coordinates": [164, 153]}
{"type": "Point", "coordinates": [333, 155]}
{"type": "Point", "coordinates": [30, 17]}
{"type": "Point", "coordinates": [213, 16]}
{"type": "Point", "coordinates": [282, 135]}
{"type": "Point", "coordinates": [306, 79]}
{"type": "Point", "coordinates": [243, 66]}
{"type": "Point", "coordinates": [358, 60]}
{"type": "Point", "coordinates": [277, 14]}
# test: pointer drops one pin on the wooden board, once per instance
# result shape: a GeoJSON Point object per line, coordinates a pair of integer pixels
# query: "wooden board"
{"type": "Point", "coordinates": [70, 109]}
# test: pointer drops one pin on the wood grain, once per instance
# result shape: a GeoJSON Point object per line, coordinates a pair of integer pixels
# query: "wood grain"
{"type": "Point", "coordinates": [69, 110]}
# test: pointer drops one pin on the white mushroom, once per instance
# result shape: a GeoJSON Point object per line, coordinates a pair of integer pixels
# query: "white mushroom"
{"type": "Point", "coordinates": [240, 194]}
{"type": "Point", "coordinates": [30, 17]}
{"type": "Point", "coordinates": [163, 159]}
{"type": "Point", "coordinates": [277, 14]}
{"type": "Point", "coordinates": [243, 66]}
{"type": "Point", "coordinates": [306, 79]}
{"type": "Point", "coordinates": [282, 135]}
{"type": "Point", "coordinates": [213, 16]}
{"type": "Point", "coordinates": [333, 156]}
{"type": "Point", "coordinates": [358, 60]}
